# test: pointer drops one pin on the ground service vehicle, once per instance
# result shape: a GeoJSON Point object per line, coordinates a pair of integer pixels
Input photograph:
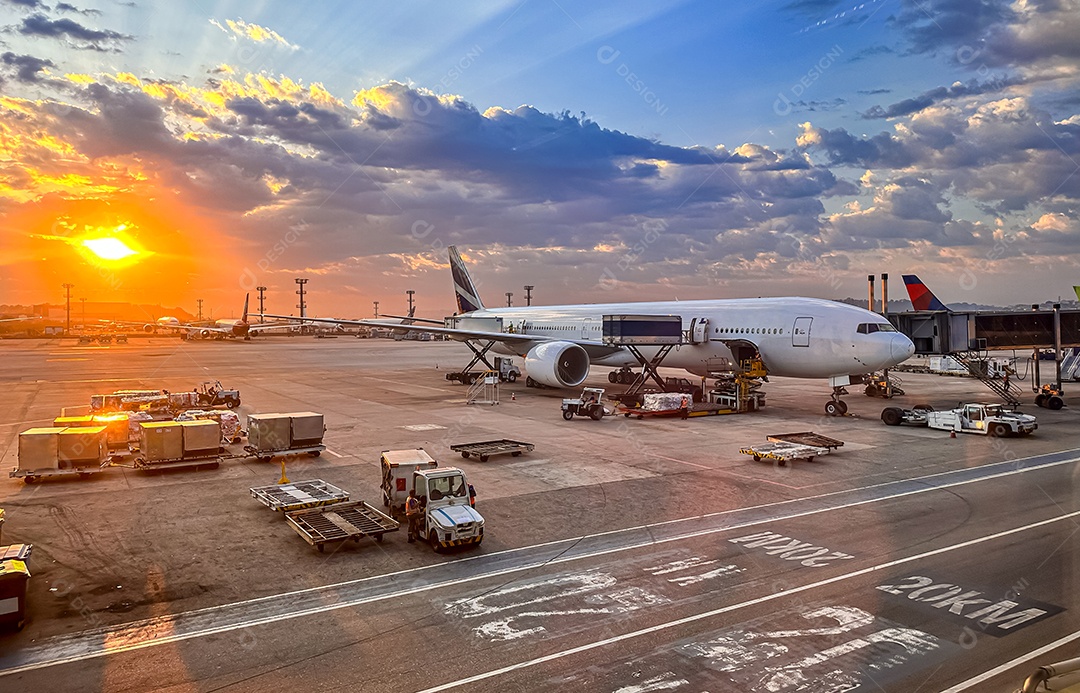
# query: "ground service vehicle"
{"type": "Point", "coordinates": [590, 404]}
{"type": "Point", "coordinates": [448, 518]}
{"type": "Point", "coordinates": [1049, 397]}
{"type": "Point", "coordinates": [685, 386]}
{"type": "Point", "coordinates": [984, 419]}
{"type": "Point", "coordinates": [212, 394]}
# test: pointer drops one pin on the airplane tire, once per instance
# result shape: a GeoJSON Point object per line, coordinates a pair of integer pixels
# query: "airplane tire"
{"type": "Point", "coordinates": [843, 407]}
{"type": "Point", "coordinates": [612, 376]}
{"type": "Point", "coordinates": [833, 408]}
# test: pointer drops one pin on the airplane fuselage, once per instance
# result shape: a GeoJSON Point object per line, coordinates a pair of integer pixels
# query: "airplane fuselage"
{"type": "Point", "coordinates": [796, 337]}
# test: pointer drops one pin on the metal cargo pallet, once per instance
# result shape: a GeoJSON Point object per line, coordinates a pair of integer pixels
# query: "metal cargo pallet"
{"type": "Point", "coordinates": [807, 438]}
{"type": "Point", "coordinates": [267, 455]}
{"type": "Point", "coordinates": [486, 448]}
{"type": "Point", "coordinates": [299, 495]}
{"type": "Point", "coordinates": [783, 452]}
{"type": "Point", "coordinates": [340, 522]}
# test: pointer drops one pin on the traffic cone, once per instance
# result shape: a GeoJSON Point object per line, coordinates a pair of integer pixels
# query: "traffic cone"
{"type": "Point", "coordinates": [952, 434]}
{"type": "Point", "coordinates": [513, 396]}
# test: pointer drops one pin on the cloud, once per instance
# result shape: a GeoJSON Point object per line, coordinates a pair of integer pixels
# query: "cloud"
{"type": "Point", "coordinates": [28, 68]}
{"type": "Point", "coordinates": [35, 4]}
{"type": "Point", "coordinates": [253, 32]}
{"type": "Point", "coordinates": [95, 39]}
{"type": "Point", "coordinates": [65, 7]}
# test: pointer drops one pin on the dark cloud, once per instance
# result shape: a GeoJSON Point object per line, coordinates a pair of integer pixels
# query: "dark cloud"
{"type": "Point", "coordinates": [870, 52]}
{"type": "Point", "coordinates": [873, 92]}
{"type": "Point", "coordinates": [939, 94]}
{"type": "Point", "coordinates": [27, 67]}
{"type": "Point", "coordinates": [65, 7]}
{"type": "Point", "coordinates": [95, 39]}
{"type": "Point", "coordinates": [36, 4]}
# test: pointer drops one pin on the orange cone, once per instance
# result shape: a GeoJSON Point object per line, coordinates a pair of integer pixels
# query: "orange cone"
{"type": "Point", "coordinates": [952, 434]}
{"type": "Point", "coordinates": [513, 396]}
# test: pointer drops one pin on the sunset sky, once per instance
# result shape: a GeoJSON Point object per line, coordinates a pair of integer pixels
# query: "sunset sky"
{"type": "Point", "coordinates": [597, 150]}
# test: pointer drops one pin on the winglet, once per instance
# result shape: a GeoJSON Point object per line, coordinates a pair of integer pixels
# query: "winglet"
{"type": "Point", "coordinates": [246, 297]}
{"type": "Point", "coordinates": [468, 299]}
{"type": "Point", "coordinates": [922, 298]}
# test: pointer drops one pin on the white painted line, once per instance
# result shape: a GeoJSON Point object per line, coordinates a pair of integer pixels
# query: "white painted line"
{"type": "Point", "coordinates": [333, 453]}
{"type": "Point", "coordinates": [409, 385]}
{"type": "Point", "coordinates": [734, 607]}
{"type": "Point", "coordinates": [1014, 663]}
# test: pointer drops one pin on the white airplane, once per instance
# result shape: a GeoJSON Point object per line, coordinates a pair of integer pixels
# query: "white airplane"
{"type": "Point", "coordinates": [223, 328]}
{"type": "Point", "coordinates": [794, 337]}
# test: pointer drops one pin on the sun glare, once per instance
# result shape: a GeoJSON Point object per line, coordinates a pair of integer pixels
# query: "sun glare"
{"type": "Point", "coordinates": [109, 248]}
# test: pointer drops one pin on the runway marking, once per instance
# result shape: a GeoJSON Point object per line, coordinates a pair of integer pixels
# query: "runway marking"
{"type": "Point", "coordinates": [733, 607]}
{"type": "Point", "coordinates": [68, 359]}
{"type": "Point", "coordinates": [315, 600]}
{"type": "Point", "coordinates": [334, 453]}
{"type": "Point", "coordinates": [672, 459]}
{"type": "Point", "coordinates": [986, 675]}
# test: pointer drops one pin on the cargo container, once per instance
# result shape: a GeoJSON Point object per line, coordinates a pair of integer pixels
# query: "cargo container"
{"type": "Point", "coordinates": [73, 421]}
{"type": "Point", "coordinates": [161, 440]}
{"type": "Point", "coordinates": [307, 429]}
{"type": "Point", "coordinates": [118, 432]}
{"type": "Point", "coordinates": [82, 447]}
{"type": "Point", "coordinates": [39, 449]}
{"type": "Point", "coordinates": [201, 438]}
{"type": "Point", "coordinates": [269, 432]}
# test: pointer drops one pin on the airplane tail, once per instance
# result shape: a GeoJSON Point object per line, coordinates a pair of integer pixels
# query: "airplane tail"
{"type": "Point", "coordinates": [1077, 290]}
{"type": "Point", "coordinates": [922, 298]}
{"type": "Point", "coordinates": [468, 299]}
{"type": "Point", "coordinates": [246, 297]}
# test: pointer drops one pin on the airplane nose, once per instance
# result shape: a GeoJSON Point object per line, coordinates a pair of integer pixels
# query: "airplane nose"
{"type": "Point", "coordinates": [902, 348]}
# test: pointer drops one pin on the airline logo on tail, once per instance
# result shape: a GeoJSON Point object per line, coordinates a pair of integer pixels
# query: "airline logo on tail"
{"type": "Point", "coordinates": [468, 299]}
{"type": "Point", "coordinates": [921, 297]}
{"type": "Point", "coordinates": [1077, 290]}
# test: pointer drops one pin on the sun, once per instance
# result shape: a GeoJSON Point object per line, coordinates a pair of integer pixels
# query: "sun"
{"type": "Point", "coordinates": [109, 248]}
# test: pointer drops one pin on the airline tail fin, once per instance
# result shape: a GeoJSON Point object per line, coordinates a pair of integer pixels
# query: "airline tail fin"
{"type": "Point", "coordinates": [246, 297]}
{"type": "Point", "coordinates": [922, 298]}
{"type": "Point", "coordinates": [468, 299]}
{"type": "Point", "coordinates": [1077, 290]}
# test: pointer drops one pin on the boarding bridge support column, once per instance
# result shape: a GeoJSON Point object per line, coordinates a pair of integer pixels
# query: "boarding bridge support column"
{"type": "Point", "coordinates": [1057, 347]}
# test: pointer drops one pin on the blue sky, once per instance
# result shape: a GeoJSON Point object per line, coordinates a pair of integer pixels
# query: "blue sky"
{"type": "Point", "coordinates": [601, 150]}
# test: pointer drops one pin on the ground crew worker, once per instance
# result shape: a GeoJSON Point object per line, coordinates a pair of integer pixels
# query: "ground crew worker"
{"type": "Point", "coordinates": [412, 513]}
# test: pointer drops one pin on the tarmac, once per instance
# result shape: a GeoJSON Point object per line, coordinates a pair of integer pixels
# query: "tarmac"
{"type": "Point", "coordinates": [619, 555]}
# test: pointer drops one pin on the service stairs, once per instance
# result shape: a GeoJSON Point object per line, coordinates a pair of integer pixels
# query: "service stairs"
{"type": "Point", "coordinates": [485, 390]}
{"type": "Point", "coordinates": [1070, 364]}
{"type": "Point", "coordinates": [1007, 390]}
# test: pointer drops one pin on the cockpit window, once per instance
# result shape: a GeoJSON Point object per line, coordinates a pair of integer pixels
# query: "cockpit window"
{"type": "Point", "coordinates": [872, 327]}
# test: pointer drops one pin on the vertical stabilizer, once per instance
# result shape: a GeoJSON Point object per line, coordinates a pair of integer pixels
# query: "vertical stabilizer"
{"type": "Point", "coordinates": [1077, 290]}
{"type": "Point", "coordinates": [246, 297]}
{"type": "Point", "coordinates": [468, 299]}
{"type": "Point", "coordinates": [922, 298]}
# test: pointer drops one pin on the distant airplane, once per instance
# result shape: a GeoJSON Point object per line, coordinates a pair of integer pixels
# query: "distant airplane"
{"type": "Point", "coordinates": [33, 317]}
{"type": "Point", "coordinates": [226, 328]}
{"type": "Point", "coordinates": [794, 337]}
{"type": "Point", "coordinates": [922, 298]}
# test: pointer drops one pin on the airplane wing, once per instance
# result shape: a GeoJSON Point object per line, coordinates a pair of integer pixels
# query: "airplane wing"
{"type": "Point", "coordinates": [18, 319]}
{"type": "Point", "coordinates": [521, 343]}
{"type": "Point", "coordinates": [426, 321]}
{"type": "Point", "coordinates": [263, 327]}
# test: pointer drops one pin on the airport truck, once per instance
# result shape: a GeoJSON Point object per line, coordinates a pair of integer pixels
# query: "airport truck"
{"type": "Point", "coordinates": [446, 498]}
{"type": "Point", "coordinates": [212, 394]}
{"type": "Point", "coordinates": [983, 419]}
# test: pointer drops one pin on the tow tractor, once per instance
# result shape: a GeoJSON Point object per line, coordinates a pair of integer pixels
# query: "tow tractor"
{"type": "Point", "coordinates": [212, 394]}
{"type": "Point", "coordinates": [983, 419]}
{"type": "Point", "coordinates": [446, 498]}
{"type": "Point", "coordinates": [589, 404]}
{"type": "Point", "coordinates": [1049, 397]}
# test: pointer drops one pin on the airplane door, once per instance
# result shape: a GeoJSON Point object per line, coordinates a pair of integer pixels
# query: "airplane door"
{"type": "Point", "coordinates": [586, 329]}
{"type": "Point", "coordinates": [699, 330]}
{"type": "Point", "coordinates": [800, 332]}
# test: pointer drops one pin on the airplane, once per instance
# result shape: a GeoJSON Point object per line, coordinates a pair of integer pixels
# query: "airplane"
{"type": "Point", "coordinates": [34, 317]}
{"type": "Point", "coordinates": [221, 328]}
{"type": "Point", "coordinates": [922, 298]}
{"type": "Point", "coordinates": [794, 337]}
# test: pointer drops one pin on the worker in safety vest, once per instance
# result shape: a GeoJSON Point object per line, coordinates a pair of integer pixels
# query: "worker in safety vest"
{"type": "Point", "coordinates": [412, 514]}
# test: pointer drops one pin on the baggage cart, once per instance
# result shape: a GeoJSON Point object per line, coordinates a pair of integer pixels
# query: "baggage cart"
{"type": "Point", "coordinates": [783, 452]}
{"type": "Point", "coordinates": [299, 495]}
{"type": "Point", "coordinates": [807, 438]}
{"type": "Point", "coordinates": [268, 455]}
{"type": "Point", "coordinates": [340, 522]}
{"type": "Point", "coordinates": [485, 449]}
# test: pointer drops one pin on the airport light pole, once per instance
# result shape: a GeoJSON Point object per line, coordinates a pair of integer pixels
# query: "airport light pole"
{"type": "Point", "coordinates": [303, 308]}
{"type": "Point", "coordinates": [83, 302]}
{"type": "Point", "coordinates": [376, 308]}
{"type": "Point", "coordinates": [262, 294]}
{"type": "Point", "coordinates": [68, 288]}
{"type": "Point", "coordinates": [528, 294]}
{"type": "Point", "coordinates": [509, 299]}
{"type": "Point", "coordinates": [410, 292]}
{"type": "Point", "coordinates": [199, 301]}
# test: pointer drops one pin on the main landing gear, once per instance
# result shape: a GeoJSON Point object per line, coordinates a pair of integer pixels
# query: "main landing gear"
{"type": "Point", "coordinates": [836, 406]}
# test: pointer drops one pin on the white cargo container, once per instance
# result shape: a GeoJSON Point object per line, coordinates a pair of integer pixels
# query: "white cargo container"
{"type": "Point", "coordinates": [307, 429]}
{"type": "Point", "coordinates": [82, 446]}
{"type": "Point", "coordinates": [269, 432]}
{"type": "Point", "coordinates": [39, 449]}
{"type": "Point", "coordinates": [397, 468]}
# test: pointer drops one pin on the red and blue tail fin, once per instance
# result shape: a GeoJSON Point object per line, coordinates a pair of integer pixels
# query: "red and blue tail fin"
{"type": "Point", "coordinates": [922, 298]}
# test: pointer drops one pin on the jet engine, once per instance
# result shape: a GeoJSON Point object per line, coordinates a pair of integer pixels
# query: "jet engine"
{"type": "Point", "coordinates": [205, 333]}
{"type": "Point", "coordinates": [149, 328]}
{"type": "Point", "coordinates": [557, 364]}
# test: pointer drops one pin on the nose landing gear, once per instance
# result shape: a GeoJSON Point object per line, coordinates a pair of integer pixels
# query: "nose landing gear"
{"type": "Point", "coordinates": [836, 406]}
